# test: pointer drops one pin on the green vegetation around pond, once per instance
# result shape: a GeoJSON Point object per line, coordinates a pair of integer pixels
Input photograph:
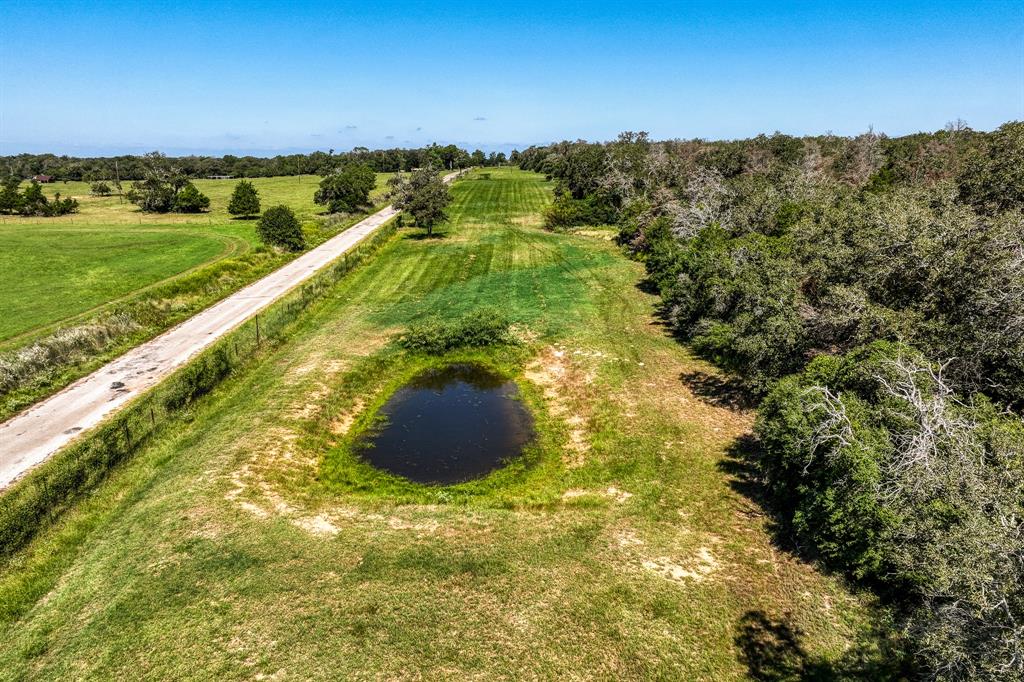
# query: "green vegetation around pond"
{"type": "Point", "coordinates": [246, 542]}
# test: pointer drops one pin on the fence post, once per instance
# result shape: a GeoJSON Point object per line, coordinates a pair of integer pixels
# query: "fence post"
{"type": "Point", "coordinates": [152, 417]}
{"type": "Point", "coordinates": [257, 330]}
{"type": "Point", "coordinates": [127, 434]}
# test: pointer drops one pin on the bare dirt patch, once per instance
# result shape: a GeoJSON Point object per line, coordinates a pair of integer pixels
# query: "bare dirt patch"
{"type": "Point", "coordinates": [697, 568]}
{"type": "Point", "coordinates": [343, 422]}
{"type": "Point", "coordinates": [562, 382]}
{"type": "Point", "coordinates": [612, 493]}
{"type": "Point", "coordinates": [606, 235]}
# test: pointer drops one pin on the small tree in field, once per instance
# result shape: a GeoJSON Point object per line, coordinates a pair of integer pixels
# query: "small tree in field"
{"type": "Point", "coordinates": [279, 227]}
{"type": "Point", "coordinates": [33, 201]}
{"type": "Point", "coordinates": [347, 188]}
{"type": "Point", "coordinates": [424, 196]}
{"type": "Point", "coordinates": [245, 200]}
{"type": "Point", "coordinates": [191, 200]}
{"type": "Point", "coordinates": [10, 197]}
{"type": "Point", "coordinates": [100, 189]}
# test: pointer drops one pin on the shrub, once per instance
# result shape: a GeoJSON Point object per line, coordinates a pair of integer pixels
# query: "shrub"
{"type": "Point", "coordinates": [190, 200]}
{"type": "Point", "coordinates": [279, 227]}
{"type": "Point", "coordinates": [483, 327]}
{"type": "Point", "coordinates": [33, 201]}
{"type": "Point", "coordinates": [64, 347]}
{"type": "Point", "coordinates": [100, 189]}
{"type": "Point", "coordinates": [245, 200]}
{"type": "Point", "coordinates": [568, 212]}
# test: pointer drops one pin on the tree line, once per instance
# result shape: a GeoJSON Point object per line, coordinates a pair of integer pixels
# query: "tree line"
{"type": "Point", "coordinates": [869, 292]}
{"type": "Point", "coordinates": [134, 167]}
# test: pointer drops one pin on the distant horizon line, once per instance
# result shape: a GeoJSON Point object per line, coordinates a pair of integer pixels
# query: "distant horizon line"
{"type": "Point", "coordinates": [110, 151]}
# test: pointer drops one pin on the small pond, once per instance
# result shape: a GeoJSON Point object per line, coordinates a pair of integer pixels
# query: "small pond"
{"type": "Point", "coordinates": [448, 425]}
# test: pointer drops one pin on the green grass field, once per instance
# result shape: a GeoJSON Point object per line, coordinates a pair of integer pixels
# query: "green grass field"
{"type": "Point", "coordinates": [247, 542]}
{"type": "Point", "coordinates": [293, 191]}
{"type": "Point", "coordinates": [52, 270]}
{"type": "Point", "coordinates": [156, 269]}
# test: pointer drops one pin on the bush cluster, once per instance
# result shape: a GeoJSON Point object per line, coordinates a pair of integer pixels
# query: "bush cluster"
{"type": "Point", "coordinates": [483, 327]}
{"type": "Point", "coordinates": [278, 226]}
{"type": "Point", "coordinates": [32, 201]}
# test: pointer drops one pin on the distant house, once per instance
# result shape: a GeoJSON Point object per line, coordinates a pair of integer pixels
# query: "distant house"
{"type": "Point", "coordinates": [43, 178]}
{"type": "Point", "coordinates": [219, 177]}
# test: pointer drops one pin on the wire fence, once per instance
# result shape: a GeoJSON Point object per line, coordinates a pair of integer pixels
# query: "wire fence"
{"type": "Point", "coordinates": [39, 498]}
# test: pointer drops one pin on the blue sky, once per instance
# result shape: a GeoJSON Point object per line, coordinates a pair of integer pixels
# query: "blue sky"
{"type": "Point", "coordinates": [248, 77]}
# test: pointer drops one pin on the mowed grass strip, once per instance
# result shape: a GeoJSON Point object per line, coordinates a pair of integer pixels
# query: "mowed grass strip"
{"type": "Point", "coordinates": [247, 543]}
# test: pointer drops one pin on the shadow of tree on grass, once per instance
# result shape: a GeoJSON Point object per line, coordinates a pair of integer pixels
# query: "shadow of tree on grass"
{"type": "Point", "coordinates": [420, 236]}
{"type": "Point", "coordinates": [773, 651]}
{"type": "Point", "coordinates": [720, 391]}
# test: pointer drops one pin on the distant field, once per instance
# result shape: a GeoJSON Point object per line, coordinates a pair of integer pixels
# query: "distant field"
{"type": "Point", "coordinates": [293, 191]}
{"type": "Point", "coordinates": [53, 270]}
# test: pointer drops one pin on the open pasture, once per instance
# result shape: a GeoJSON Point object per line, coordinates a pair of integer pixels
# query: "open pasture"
{"type": "Point", "coordinates": [56, 270]}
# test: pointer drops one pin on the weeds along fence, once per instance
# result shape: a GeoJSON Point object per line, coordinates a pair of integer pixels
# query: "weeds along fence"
{"type": "Point", "coordinates": [39, 498]}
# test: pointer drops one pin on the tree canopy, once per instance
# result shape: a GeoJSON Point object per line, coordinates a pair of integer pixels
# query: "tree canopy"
{"type": "Point", "coordinates": [424, 196]}
{"type": "Point", "coordinates": [245, 200]}
{"type": "Point", "coordinates": [159, 190]}
{"type": "Point", "coordinates": [278, 226]}
{"type": "Point", "coordinates": [871, 291]}
{"type": "Point", "coordinates": [347, 188]}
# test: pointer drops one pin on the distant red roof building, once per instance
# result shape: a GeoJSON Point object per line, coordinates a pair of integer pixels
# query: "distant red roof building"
{"type": "Point", "coordinates": [43, 178]}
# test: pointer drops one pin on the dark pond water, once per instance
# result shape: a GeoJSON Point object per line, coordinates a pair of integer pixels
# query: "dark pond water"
{"type": "Point", "coordinates": [448, 425]}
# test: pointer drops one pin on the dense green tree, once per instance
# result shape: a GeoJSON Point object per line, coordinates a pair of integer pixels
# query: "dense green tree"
{"type": "Point", "coordinates": [33, 201]}
{"type": "Point", "coordinates": [882, 469]}
{"type": "Point", "coordinates": [245, 200]}
{"type": "Point", "coordinates": [158, 190]}
{"type": "Point", "coordinates": [166, 187]}
{"type": "Point", "coordinates": [278, 226]}
{"type": "Point", "coordinates": [347, 188]}
{"type": "Point", "coordinates": [424, 196]}
{"type": "Point", "coordinates": [190, 200]}
{"type": "Point", "coordinates": [993, 181]}
{"type": "Point", "coordinates": [10, 196]}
